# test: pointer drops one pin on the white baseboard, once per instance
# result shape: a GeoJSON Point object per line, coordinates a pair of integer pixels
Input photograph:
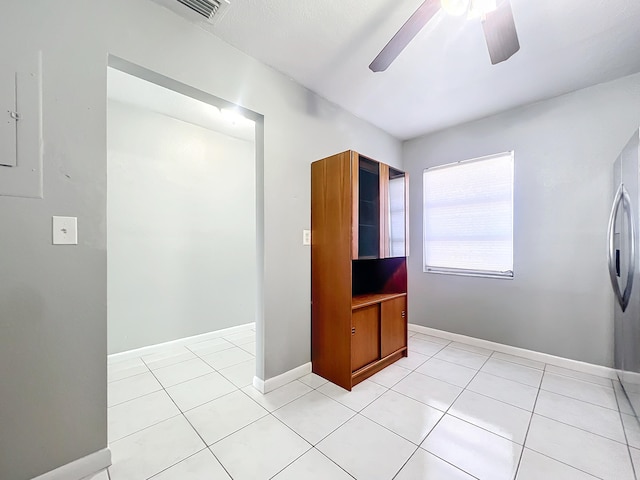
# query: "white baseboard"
{"type": "Point", "coordinates": [583, 367]}
{"type": "Point", "coordinates": [138, 352]}
{"type": "Point", "coordinates": [269, 385]}
{"type": "Point", "coordinates": [258, 384]}
{"type": "Point", "coordinates": [81, 468]}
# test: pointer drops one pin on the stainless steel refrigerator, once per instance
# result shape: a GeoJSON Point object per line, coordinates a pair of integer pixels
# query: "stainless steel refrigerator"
{"type": "Point", "coordinates": [624, 268]}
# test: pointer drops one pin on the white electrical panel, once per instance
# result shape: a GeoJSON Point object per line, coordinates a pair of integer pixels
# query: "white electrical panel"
{"type": "Point", "coordinates": [8, 120]}
{"type": "Point", "coordinates": [21, 128]}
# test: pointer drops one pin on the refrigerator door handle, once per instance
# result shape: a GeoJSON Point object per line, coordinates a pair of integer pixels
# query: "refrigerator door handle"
{"type": "Point", "coordinates": [617, 199]}
{"type": "Point", "coordinates": [626, 295]}
{"type": "Point", "coordinates": [622, 197]}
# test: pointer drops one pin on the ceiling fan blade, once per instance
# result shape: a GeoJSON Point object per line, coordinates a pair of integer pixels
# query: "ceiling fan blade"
{"type": "Point", "coordinates": [500, 33]}
{"type": "Point", "coordinates": [401, 39]}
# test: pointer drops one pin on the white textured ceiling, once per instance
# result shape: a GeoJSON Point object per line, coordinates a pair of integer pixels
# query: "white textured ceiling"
{"type": "Point", "coordinates": [444, 77]}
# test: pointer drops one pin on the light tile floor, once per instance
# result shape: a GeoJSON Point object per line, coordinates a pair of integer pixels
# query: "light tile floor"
{"type": "Point", "coordinates": [449, 411]}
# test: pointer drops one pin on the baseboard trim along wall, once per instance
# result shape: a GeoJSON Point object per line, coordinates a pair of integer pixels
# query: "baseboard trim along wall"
{"type": "Point", "coordinates": [138, 352]}
{"type": "Point", "coordinates": [269, 385]}
{"type": "Point", "coordinates": [81, 468]}
{"type": "Point", "coordinates": [583, 367]}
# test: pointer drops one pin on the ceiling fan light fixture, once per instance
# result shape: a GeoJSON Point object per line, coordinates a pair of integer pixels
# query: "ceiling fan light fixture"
{"type": "Point", "coordinates": [479, 8]}
{"type": "Point", "coordinates": [455, 7]}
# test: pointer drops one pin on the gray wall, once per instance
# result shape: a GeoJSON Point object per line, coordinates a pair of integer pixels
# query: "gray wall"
{"type": "Point", "coordinates": [559, 301]}
{"type": "Point", "coordinates": [53, 315]}
{"type": "Point", "coordinates": [181, 229]}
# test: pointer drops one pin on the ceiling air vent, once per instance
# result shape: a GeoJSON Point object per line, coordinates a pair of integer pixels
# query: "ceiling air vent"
{"type": "Point", "coordinates": [206, 8]}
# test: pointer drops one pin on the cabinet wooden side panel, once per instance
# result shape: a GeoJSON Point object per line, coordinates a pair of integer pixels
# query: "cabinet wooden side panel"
{"type": "Point", "coordinates": [365, 338]}
{"type": "Point", "coordinates": [385, 248]}
{"type": "Point", "coordinates": [393, 327]}
{"type": "Point", "coordinates": [331, 210]}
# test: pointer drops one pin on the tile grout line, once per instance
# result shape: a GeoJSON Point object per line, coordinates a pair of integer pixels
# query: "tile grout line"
{"type": "Point", "coordinates": [244, 426]}
{"type": "Point", "coordinates": [347, 406]}
{"type": "Point", "coordinates": [227, 366]}
{"type": "Point", "coordinates": [206, 446]}
{"type": "Point", "coordinates": [591, 382]}
{"type": "Point", "coordinates": [579, 399]}
{"type": "Point", "coordinates": [356, 413]}
{"type": "Point", "coordinates": [544, 369]}
{"type": "Point", "coordinates": [565, 463]}
{"type": "Point", "coordinates": [624, 430]}
{"type": "Point", "coordinates": [463, 389]}
{"type": "Point", "coordinates": [359, 412]}
{"type": "Point", "coordinates": [406, 461]}
{"type": "Point", "coordinates": [445, 414]}
{"type": "Point", "coordinates": [431, 355]}
{"type": "Point", "coordinates": [581, 380]}
{"type": "Point", "coordinates": [295, 433]}
{"type": "Point", "coordinates": [265, 394]}
{"type": "Point", "coordinates": [218, 460]}
{"type": "Point", "coordinates": [553, 419]}
{"type": "Point", "coordinates": [187, 420]}
{"type": "Point", "coordinates": [517, 363]}
{"type": "Point", "coordinates": [449, 463]}
{"type": "Point", "coordinates": [148, 426]}
{"type": "Point", "coordinates": [128, 376]}
{"type": "Point", "coordinates": [314, 445]}
{"type": "Point", "coordinates": [533, 409]}
{"type": "Point", "coordinates": [582, 429]}
{"type": "Point", "coordinates": [336, 464]}
{"type": "Point", "coordinates": [182, 413]}
{"type": "Point", "coordinates": [134, 398]}
{"type": "Point", "coordinates": [171, 466]}
{"type": "Point", "coordinates": [196, 356]}
{"type": "Point", "coordinates": [483, 371]}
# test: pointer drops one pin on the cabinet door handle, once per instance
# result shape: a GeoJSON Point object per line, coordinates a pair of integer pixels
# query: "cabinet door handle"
{"type": "Point", "coordinates": [353, 330]}
{"type": "Point", "coordinates": [404, 314]}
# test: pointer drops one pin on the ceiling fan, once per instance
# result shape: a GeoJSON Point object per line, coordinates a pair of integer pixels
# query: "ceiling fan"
{"type": "Point", "coordinates": [497, 22]}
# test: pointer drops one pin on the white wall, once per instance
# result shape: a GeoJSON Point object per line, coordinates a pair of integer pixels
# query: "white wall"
{"type": "Point", "coordinates": [559, 301]}
{"type": "Point", "coordinates": [181, 229]}
{"type": "Point", "coordinates": [53, 312]}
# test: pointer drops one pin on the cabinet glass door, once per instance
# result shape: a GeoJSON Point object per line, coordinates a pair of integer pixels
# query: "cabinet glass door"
{"type": "Point", "coordinates": [368, 209]}
{"type": "Point", "coordinates": [397, 214]}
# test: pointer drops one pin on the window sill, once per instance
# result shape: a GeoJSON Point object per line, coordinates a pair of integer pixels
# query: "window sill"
{"type": "Point", "coordinates": [470, 273]}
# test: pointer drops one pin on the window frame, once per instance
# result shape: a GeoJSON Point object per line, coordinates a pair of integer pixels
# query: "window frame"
{"type": "Point", "coordinates": [504, 275]}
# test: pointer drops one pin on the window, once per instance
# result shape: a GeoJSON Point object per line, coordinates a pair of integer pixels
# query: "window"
{"type": "Point", "coordinates": [468, 217]}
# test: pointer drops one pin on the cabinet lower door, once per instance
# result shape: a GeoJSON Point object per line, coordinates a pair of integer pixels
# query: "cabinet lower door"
{"type": "Point", "coordinates": [394, 325]}
{"type": "Point", "coordinates": [365, 336]}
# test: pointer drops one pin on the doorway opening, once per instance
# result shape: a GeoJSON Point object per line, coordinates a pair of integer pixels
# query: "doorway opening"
{"type": "Point", "coordinates": [185, 236]}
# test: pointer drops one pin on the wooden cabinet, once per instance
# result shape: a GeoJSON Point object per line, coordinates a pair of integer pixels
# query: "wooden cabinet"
{"type": "Point", "coordinates": [365, 338]}
{"type": "Point", "coordinates": [358, 267]}
{"type": "Point", "coordinates": [393, 325]}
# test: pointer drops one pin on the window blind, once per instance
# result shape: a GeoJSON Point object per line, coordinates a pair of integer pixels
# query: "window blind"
{"type": "Point", "coordinates": [468, 217]}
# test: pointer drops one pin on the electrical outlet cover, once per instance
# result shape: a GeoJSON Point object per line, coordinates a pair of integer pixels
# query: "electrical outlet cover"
{"type": "Point", "coordinates": [65, 231]}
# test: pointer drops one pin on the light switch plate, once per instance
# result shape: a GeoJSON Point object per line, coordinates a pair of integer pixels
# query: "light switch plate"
{"type": "Point", "coordinates": [65, 231]}
{"type": "Point", "coordinates": [306, 237]}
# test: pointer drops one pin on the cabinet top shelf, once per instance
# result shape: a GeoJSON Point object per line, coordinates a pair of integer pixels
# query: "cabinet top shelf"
{"type": "Point", "coordinates": [359, 301]}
